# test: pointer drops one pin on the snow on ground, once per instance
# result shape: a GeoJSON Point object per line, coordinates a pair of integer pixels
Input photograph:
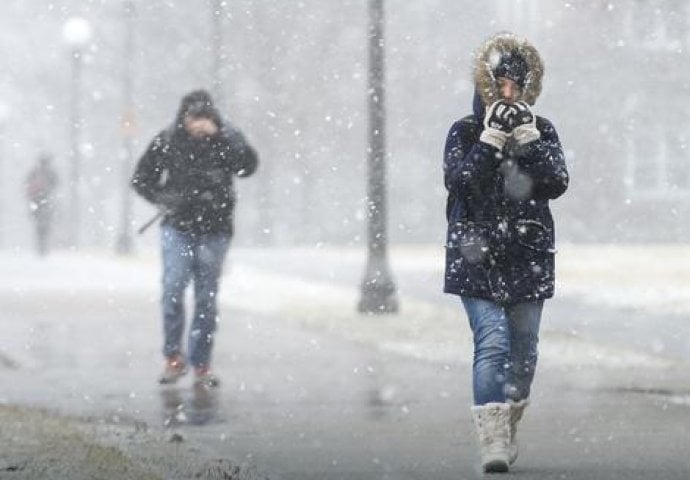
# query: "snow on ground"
{"type": "Point", "coordinates": [650, 278]}
{"type": "Point", "coordinates": [617, 276]}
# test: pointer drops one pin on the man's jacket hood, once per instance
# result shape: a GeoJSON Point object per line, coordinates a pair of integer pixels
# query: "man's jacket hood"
{"type": "Point", "coordinates": [200, 104]}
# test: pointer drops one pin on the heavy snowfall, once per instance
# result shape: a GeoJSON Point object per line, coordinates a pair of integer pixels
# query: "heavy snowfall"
{"type": "Point", "coordinates": [311, 387]}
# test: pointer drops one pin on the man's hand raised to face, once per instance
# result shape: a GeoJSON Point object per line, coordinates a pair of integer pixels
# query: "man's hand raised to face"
{"type": "Point", "coordinates": [200, 127]}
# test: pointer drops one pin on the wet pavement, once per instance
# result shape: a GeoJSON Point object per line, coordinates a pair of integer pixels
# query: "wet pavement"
{"type": "Point", "coordinates": [304, 404]}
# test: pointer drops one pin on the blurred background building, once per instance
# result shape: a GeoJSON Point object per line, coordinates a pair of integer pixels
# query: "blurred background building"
{"type": "Point", "coordinates": [293, 77]}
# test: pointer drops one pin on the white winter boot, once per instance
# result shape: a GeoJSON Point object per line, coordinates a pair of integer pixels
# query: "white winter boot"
{"type": "Point", "coordinates": [492, 422]}
{"type": "Point", "coordinates": [517, 409]}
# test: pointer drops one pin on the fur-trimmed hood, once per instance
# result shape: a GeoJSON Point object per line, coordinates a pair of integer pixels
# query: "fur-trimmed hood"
{"type": "Point", "coordinates": [493, 52]}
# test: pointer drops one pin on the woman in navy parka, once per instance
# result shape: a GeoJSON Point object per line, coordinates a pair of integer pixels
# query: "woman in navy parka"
{"type": "Point", "coordinates": [502, 165]}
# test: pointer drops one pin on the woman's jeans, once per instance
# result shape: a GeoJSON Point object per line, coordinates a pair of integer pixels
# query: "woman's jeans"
{"type": "Point", "coordinates": [505, 348]}
{"type": "Point", "coordinates": [188, 256]}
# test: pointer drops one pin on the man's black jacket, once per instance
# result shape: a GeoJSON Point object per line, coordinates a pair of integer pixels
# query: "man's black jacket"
{"type": "Point", "coordinates": [191, 179]}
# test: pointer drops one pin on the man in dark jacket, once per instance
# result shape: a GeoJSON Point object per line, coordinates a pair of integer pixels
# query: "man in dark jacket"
{"type": "Point", "coordinates": [187, 172]}
{"type": "Point", "coordinates": [502, 165]}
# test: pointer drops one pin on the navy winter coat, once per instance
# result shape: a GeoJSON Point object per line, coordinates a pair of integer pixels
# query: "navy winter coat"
{"type": "Point", "coordinates": [500, 238]}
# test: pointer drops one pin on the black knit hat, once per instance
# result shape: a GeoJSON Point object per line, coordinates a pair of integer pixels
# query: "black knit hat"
{"type": "Point", "coordinates": [512, 65]}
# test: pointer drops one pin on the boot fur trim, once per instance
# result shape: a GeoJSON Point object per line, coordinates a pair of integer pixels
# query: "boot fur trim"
{"type": "Point", "coordinates": [517, 409]}
{"type": "Point", "coordinates": [492, 422]}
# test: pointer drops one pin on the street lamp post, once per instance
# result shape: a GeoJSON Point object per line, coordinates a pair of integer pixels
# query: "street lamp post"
{"type": "Point", "coordinates": [124, 240]}
{"type": "Point", "coordinates": [4, 116]}
{"type": "Point", "coordinates": [76, 34]}
{"type": "Point", "coordinates": [217, 50]}
{"type": "Point", "coordinates": [378, 291]}
{"type": "Point", "coordinates": [264, 62]}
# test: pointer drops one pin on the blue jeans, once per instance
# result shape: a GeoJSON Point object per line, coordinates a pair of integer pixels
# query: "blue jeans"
{"type": "Point", "coordinates": [188, 256]}
{"type": "Point", "coordinates": [505, 348]}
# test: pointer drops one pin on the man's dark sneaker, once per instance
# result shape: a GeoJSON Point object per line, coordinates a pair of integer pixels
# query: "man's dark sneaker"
{"type": "Point", "coordinates": [203, 376]}
{"type": "Point", "coordinates": [175, 368]}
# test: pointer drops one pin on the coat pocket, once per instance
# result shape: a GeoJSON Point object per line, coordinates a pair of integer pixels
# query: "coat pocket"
{"type": "Point", "coordinates": [472, 239]}
{"type": "Point", "coordinates": [535, 236]}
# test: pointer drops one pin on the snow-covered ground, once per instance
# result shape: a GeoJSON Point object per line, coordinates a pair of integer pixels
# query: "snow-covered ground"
{"type": "Point", "coordinates": [647, 278]}
{"type": "Point", "coordinates": [650, 278]}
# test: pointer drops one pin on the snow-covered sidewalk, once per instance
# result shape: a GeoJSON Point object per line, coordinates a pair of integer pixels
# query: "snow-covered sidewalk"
{"type": "Point", "coordinates": [648, 278]}
{"type": "Point", "coordinates": [634, 277]}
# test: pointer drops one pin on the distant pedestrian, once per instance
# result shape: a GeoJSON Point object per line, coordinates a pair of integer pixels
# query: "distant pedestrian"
{"type": "Point", "coordinates": [502, 165]}
{"type": "Point", "coordinates": [187, 171]}
{"type": "Point", "coordinates": [40, 185]}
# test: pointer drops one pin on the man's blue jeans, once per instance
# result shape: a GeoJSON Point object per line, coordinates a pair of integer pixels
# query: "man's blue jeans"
{"type": "Point", "coordinates": [188, 256]}
{"type": "Point", "coordinates": [505, 348]}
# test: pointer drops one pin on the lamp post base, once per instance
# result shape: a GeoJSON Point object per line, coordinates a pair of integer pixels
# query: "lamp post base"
{"type": "Point", "coordinates": [378, 289]}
